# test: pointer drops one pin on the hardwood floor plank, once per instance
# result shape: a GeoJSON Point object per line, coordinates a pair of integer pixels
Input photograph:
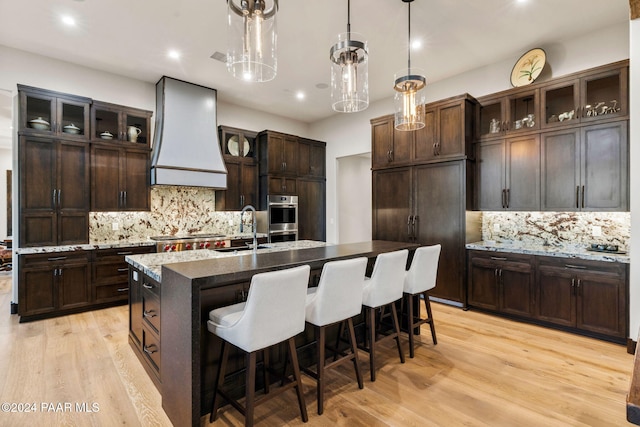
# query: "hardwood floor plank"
{"type": "Point", "coordinates": [485, 371]}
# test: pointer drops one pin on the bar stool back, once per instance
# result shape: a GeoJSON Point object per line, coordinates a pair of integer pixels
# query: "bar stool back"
{"type": "Point", "coordinates": [419, 279]}
{"type": "Point", "coordinates": [382, 289]}
{"type": "Point", "coordinates": [273, 313]}
{"type": "Point", "coordinates": [336, 299]}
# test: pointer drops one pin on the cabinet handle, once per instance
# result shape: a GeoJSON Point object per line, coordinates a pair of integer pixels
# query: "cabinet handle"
{"type": "Point", "coordinates": [147, 285]}
{"type": "Point", "coordinates": [149, 314]}
{"type": "Point", "coordinates": [124, 253]}
{"type": "Point", "coordinates": [125, 199]}
{"type": "Point", "coordinates": [122, 270]}
{"type": "Point", "coordinates": [500, 273]}
{"type": "Point", "coordinates": [150, 349]}
{"type": "Point", "coordinates": [583, 196]}
{"type": "Point", "coordinates": [58, 258]}
{"type": "Point", "coordinates": [123, 289]}
{"type": "Point", "coordinates": [497, 258]}
{"type": "Point", "coordinates": [573, 286]}
{"type": "Point", "coordinates": [409, 226]}
{"type": "Point", "coordinates": [495, 272]}
{"type": "Point", "coordinates": [416, 218]}
{"type": "Point", "coordinates": [578, 288]}
{"type": "Point", "coordinates": [508, 197]}
{"type": "Point", "coordinates": [504, 198]}
{"type": "Point", "coordinates": [59, 198]}
{"type": "Point", "coordinates": [435, 152]}
{"type": "Point", "coordinates": [577, 196]}
{"type": "Point", "coordinates": [53, 198]}
{"type": "Point", "coordinates": [579, 267]}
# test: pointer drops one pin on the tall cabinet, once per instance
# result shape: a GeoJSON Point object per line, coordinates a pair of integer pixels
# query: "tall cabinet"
{"type": "Point", "coordinates": [424, 198]}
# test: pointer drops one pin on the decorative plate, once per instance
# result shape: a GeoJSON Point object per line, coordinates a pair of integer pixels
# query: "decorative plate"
{"type": "Point", "coordinates": [528, 67]}
{"type": "Point", "coordinates": [232, 146]}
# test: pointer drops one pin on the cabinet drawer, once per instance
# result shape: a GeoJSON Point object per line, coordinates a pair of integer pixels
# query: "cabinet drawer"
{"type": "Point", "coordinates": [151, 348]}
{"type": "Point", "coordinates": [151, 310]}
{"type": "Point", "coordinates": [118, 291]}
{"type": "Point", "coordinates": [110, 273]}
{"type": "Point", "coordinates": [150, 285]}
{"type": "Point", "coordinates": [58, 258]}
{"type": "Point", "coordinates": [118, 254]}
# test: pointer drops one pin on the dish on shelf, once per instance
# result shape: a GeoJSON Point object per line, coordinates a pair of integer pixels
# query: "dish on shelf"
{"type": "Point", "coordinates": [233, 146]}
{"type": "Point", "coordinates": [71, 129]}
{"type": "Point", "coordinates": [528, 67]}
{"type": "Point", "coordinates": [106, 135]}
{"type": "Point", "coordinates": [40, 124]}
{"type": "Point", "coordinates": [609, 249]}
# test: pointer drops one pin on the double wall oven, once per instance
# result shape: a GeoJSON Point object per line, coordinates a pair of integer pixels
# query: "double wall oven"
{"type": "Point", "coordinates": [282, 218]}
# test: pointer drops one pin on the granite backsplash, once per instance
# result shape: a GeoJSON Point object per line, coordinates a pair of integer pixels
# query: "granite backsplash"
{"type": "Point", "coordinates": [174, 211]}
{"type": "Point", "coordinates": [567, 229]}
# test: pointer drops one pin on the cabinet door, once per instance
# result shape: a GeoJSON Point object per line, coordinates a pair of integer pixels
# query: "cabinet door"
{"type": "Point", "coordinates": [559, 101]}
{"type": "Point", "coordinates": [516, 288]}
{"type": "Point", "coordinates": [249, 184]}
{"type": "Point", "coordinates": [135, 305]}
{"type": "Point", "coordinates": [392, 204]}
{"type": "Point", "coordinates": [491, 188]}
{"type": "Point", "coordinates": [290, 155]}
{"type": "Point", "coordinates": [483, 279]}
{"type": "Point", "coordinates": [36, 291]}
{"type": "Point", "coordinates": [38, 158]}
{"type": "Point", "coordinates": [560, 170]}
{"type": "Point", "coordinates": [229, 199]}
{"type": "Point", "coordinates": [311, 159]}
{"type": "Point", "coordinates": [105, 178]}
{"type": "Point", "coordinates": [523, 173]}
{"type": "Point", "coordinates": [73, 177]}
{"type": "Point", "coordinates": [439, 218]}
{"type": "Point", "coordinates": [604, 173]}
{"type": "Point", "coordinates": [402, 151]}
{"type": "Point", "coordinates": [71, 112]}
{"type": "Point", "coordinates": [381, 141]}
{"type": "Point", "coordinates": [601, 304]}
{"type": "Point", "coordinates": [74, 285]}
{"type": "Point", "coordinates": [451, 130]}
{"type": "Point", "coordinates": [73, 228]}
{"type": "Point", "coordinates": [311, 211]}
{"type": "Point", "coordinates": [608, 87]}
{"type": "Point", "coordinates": [556, 301]}
{"type": "Point", "coordinates": [37, 105]}
{"type": "Point", "coordinates": [426, 139]}
{"type": "Point", "coordinates": [275, 150]}
{"type": "Point", "coordinates": [39, 229]}
{"type": "Point", "coordinates": [136, 178]}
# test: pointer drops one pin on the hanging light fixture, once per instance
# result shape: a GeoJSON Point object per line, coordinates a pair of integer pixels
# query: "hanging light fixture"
{"type": "Point", "coordinates": [251, 53]}
{"type": "Point", "coordinates": [349, 71]}
{"type": "Point", "coordinates": [409, 98]}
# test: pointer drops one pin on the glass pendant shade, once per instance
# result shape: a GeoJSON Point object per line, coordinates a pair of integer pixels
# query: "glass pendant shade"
{"type": "Point", "coordinates": [409, 99]}
{"type": "Point", "coordinates": [349, 73]}
{"type": "Point", "coordinates": [252, 39]}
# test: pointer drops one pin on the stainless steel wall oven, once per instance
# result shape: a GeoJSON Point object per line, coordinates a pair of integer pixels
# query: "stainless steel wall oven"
{"type": "Point", "coordinates": [282, 218]}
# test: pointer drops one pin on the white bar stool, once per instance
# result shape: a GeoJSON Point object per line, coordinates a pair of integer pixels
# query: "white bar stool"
{"type": "Point", "coordinates": [419, 279]}
{"type": "Point", "coordinates": [273, 313]}
{"type": "Point", "coordinates": [336, 299]}
{"type": "Point", "coordinates": [382, 289]}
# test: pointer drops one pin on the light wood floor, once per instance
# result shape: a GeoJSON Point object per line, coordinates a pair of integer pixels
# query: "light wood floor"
{"type": "Point", "coordinates": [485, 371]}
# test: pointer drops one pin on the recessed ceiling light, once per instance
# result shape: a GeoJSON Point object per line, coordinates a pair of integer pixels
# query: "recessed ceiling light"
{"type": "Point", "coordinates": [173, 54]}
{"type": "Point", "coordinates": [68, 21]}
{"type": "Point", "coordinates": [300, 95]}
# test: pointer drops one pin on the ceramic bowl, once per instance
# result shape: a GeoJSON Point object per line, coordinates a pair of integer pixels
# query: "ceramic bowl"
{"type": "Point", "coordinates": [72, 129]}
{"type": "Point", "coordinates": [40, 124]}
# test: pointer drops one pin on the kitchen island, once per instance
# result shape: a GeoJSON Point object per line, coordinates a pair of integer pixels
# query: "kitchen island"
{"type": "Point", "coordinates": [181, 348]}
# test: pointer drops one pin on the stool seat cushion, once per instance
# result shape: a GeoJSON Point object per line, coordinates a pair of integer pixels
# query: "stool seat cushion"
{"type": "Point", "coordinates": [385, 284]}
{"type": "Point", "coordinates": [422, 274]}
{"type": "Point", "coordinates": [227, 316]}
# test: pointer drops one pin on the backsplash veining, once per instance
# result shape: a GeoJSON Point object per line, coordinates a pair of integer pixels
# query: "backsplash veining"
{"type": "Point", "coordinates": [174, 211]}
{"type": "Point", "coordinates": [568, 229]}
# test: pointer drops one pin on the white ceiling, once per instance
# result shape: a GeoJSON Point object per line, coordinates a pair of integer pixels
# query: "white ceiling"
{"type": "Point", "coordinates": [132, 37]}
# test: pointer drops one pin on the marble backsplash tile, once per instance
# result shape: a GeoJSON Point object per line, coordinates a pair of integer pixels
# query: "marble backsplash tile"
{"type": "Point", "coordinates": [174, 211]}
{"type": "Point", "coordinates": [568, 229]}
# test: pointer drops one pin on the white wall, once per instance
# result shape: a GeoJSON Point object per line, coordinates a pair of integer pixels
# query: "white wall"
{"type": "Point", "coordinates": [634, 138]}
{"type": "Point", "coordinates": [354, 175]}
{"type": "Point", "coordinates": [5, 165]}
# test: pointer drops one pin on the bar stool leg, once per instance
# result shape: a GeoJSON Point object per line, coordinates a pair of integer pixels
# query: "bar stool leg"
{"type": "Point", "coordinates": [320, 344]}
{"type": "Point", "coordinates": [298, 380]}
{"type": "Point", "coordinates": [224, 355]}
{"type": "Point", "coordinates": [410, 325]}
{"type": "Point", "coordinates": [354, 349]}
{"type": "Point", "coordinates": [265, 370]}
{"type": "Point", "coordinates": [372, 342]}
{"type": "Point", "coordinates": [250, 391]}
{"type": "Point", "coordinates": [396, 325]}
{"type": "Point", "coordinates": [427, 304]}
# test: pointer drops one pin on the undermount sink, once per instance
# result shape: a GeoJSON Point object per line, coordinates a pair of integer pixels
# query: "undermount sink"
{"type": "Point", "coordinates": [240, 248]}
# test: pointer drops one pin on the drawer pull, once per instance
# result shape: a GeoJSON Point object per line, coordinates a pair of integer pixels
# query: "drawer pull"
{"type": "Point", "coordinates": [124, 253]}
{"type": "Point", "coordinates": [150, 349]}
{"type": "Point", "coordinates": [149, 314]}
{"type": "Point", "coordinates": [579, 267]}
{"type": "Point", "coordinates": [123, 289]}
{"type": "Point", "coordinates": [57, 258]}
{"type": "Point", "coordinates": [147, 285]}
{"type": "Point", "coordinates": [497, 258]}
{"type": "Point", "coordinates": [122, 270]}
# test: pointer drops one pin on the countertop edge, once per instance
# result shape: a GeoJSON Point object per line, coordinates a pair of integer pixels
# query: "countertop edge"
{"type": "Point", "coordinates": [550, 251]}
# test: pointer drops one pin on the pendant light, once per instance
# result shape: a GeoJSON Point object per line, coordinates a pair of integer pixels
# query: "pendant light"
{"type": "Point", "coordinates": [349, 71]}
{"type": "Point", "coordinates": [409, 98]}
{"type": "Point", "coordinates": [251, 53]}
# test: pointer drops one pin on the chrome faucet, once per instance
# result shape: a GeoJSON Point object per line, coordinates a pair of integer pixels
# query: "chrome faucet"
{"type": "Point", "coordinates": [253, 223]}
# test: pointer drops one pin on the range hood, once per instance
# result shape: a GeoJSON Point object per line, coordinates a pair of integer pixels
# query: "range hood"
{"type": "Point", "coordinates": [186, 150]}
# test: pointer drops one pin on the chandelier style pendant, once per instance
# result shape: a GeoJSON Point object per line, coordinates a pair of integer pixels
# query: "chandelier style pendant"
{"type": "Point", "coordinates": [252, 40]}
{"type": "Point", "coordinates": [409, 86]}
{"type": "Point", "coordinates": [349, 71]}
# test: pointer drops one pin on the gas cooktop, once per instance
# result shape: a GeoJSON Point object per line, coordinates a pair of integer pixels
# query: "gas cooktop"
{"type": "Point", "coordinates": [188, 237]}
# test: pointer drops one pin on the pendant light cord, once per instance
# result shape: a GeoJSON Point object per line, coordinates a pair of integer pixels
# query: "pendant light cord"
{"type": "Point", "coordinates": [348, 19]}
{"type": "Point", "coordinates": [409, 47]}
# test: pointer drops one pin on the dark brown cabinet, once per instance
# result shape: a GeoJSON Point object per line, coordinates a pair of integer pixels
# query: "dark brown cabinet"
{"type": "Point", "coordinates": [501, 282]}
{"type": "Point", "coordinates": [586, 168]}
{"type": "Point", "coordinates": [389, 146]}
{"type": "Point", "coordinates": [590, 296]}
{"type": "Point", "coordinates": [278, 153]}
{"type": "Point", "coordinates": [120, 178]}
{"type": "Point", "coordinates": [109, 273]}
{"type": "Point", "coordinates": [239, 151]}
{"type": "Point", "coordinates": [508, 174]}
{"type": "Point", "coordinates": [508, 113]}
{"type": "Point", "coordinates": [311, 158]}
{"type": "Point", "coordinates": [54, 188]}
{"type": "Point", "coordinates": [392, 193]}
{"type": "Point", "coordinates": [112, 122]}
{"type": "Point", "coordinates": [53, 283]}
{"type": "Point", "coordinates": [311, 211]}
{"type": "Point", "coordinates": [49, 113]}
